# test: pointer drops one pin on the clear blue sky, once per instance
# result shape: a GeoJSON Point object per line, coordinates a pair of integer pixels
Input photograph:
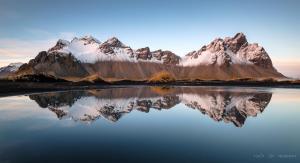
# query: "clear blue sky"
{"type": "Point", "coordinates": [181, 26]}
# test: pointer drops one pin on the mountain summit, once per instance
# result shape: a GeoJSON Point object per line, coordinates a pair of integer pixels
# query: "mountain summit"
{"type": "Point", "coordinates": [88, 58]}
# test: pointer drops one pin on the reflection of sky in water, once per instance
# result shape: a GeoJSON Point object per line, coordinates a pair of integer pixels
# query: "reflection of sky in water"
{"type": "Point", "coordinates": [177, 134]}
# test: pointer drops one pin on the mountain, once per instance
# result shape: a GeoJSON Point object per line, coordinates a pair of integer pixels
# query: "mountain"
{"type": "Point", "coordinates": [228, 51]}
{"type": "Point", "coordinates": [227, 105]}
{"type": "Point", "coordinates": [229, 58]}
{"type": "Point", "coordinates": [10, 69]}
{"type": "Point", "coordinates": [87, 58]}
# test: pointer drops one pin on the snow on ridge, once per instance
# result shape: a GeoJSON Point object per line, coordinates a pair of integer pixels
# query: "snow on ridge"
{"type": "Point", "coordinates": [80, 50]}
{"type": "Point", "coordinates": [64, 42]}
{"type": "Point", "coordinates": [235, 50]}
{"type": "Point", "coordinates": [208, 58]}
{"type": "Point", "coordinates": [226, 51]}
{"type": "Point", "coordinates": [90, 38]}
{"type": "Point", "coordinates": [87, 49]}
{"type": "Point", "coordinates": [12, 67]}
{"type": "Point", "coordinates": [16, 64]}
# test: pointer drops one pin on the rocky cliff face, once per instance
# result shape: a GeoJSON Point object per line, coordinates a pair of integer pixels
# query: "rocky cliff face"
{"type": "Point", "coordinates": [53, 64]}
{"type": "Point", "coordinates": [222, 59]}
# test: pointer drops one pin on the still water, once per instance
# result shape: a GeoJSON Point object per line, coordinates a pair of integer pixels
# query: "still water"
{"type": "Point", "coordinates": [152, 124]}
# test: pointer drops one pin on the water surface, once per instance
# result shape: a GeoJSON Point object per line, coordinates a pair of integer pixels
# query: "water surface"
{"type": "Point", "coordinates": [152, 124]}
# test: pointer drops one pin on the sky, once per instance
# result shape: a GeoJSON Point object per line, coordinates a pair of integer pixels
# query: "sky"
{"type": "Point", "coordinates": [30, 26]}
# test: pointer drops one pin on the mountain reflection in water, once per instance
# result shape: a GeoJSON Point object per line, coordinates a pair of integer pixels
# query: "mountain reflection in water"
{"type": "Point", "coordinates": [227, 105]}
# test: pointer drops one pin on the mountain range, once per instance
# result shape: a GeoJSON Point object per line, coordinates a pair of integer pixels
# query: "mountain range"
{"type": "Point", "coordinates": [88, 59]}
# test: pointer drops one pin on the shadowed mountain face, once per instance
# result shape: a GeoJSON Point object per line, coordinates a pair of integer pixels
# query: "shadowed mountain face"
{"type": "Point", "coordinates": [227, 105]}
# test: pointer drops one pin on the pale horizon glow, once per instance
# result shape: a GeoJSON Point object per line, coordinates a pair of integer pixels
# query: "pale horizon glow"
{"type": "Point", "coordinates": [180, 26]}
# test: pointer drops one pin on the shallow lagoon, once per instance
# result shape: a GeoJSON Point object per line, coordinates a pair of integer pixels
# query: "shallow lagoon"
{"type": "Point", "coordinates": [152, 124]}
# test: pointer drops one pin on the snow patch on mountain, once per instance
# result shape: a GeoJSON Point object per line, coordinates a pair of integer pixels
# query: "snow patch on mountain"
{"type": "Point", "coordinates": [12, 67]}
{"type": "Point", "coordinates": [90, 50]}
{"type": "Point", "coordinates": [209, 58]}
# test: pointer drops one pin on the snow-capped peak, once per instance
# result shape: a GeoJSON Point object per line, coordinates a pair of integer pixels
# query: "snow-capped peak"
{"type": "Point", "coordinates": [60, 44]}
{"type": "Point", "coordinates": [63, 42]}
{"type": "Point", "coordinates": [90, 39]}
{"type": "Point", "coordinates": [16, 64]}
{"type": "Point", "coordinates": [114, 42]}
{"type": "Point", "coordinates": [235, 50]}
{"type": "Point", "coordinates": [88, 49]}
{"type": "Point", "coordinates": [12, 67]}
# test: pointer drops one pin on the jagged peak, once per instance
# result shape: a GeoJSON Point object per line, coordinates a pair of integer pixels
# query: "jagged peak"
{"type": "Point", "coordinates": [145, 48]}
{"type": "Point", "coordinates": [90, 39]}
{"type": "Point", "coordinates": [114, 42]}
{"type": "Point", "coordinates": [240, 38]}
{"type": "Point", "coordinates": [59, 45]}
{"type": "Point", "coordinates": [236, 42]}
{"type": "Point", "coordinates": [233, 43]}
{"type": "Point", "coordinates": [75, 39]}
{"type": "Point", "coordinates": [62, 42]}
{"type": "Point", "coordinates": [216, 45]}
{"type": "Point", "coordinates": [238, 35]}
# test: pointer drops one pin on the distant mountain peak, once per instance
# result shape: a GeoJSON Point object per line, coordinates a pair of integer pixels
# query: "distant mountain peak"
{"type": "Point", "coordinates": [90, 39]}
{"type": "Point", "coordinates": [114, 42]}
{"type": "Point", "coordinates": [240, 36]}
{"type": "Point", "coordinates": [236, 42]}
{"type": "Point", "coordinates": [9, 69]}
{"type": "Point", "coordinates": [59, 45]}
{"type": "Point", "coordinates": [63, 42]}
{"type": "Point", "coordinates": [17, 64]}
